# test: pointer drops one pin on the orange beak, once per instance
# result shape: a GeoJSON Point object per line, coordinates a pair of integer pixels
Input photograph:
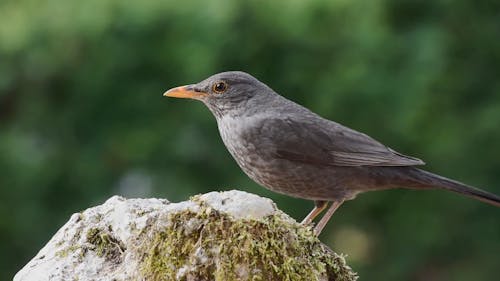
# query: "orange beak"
{"type": "Point", "coordinates": [184, 92]}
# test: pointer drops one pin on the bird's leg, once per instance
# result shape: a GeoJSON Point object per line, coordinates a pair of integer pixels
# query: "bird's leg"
{"type": "Point", "coordinates": [321, 224]}
{"type": "Point", "coordinates": [319, 206]}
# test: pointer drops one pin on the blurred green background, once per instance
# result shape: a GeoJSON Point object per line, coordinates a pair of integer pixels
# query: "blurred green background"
{"type": "Point", "coordinates": [82, 115]}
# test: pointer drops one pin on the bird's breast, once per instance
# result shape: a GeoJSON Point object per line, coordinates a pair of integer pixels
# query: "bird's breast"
{"type": "Point", "coordinates": [254, 153]}
{"type": "Point", "coordinates": [243, 140]}
{"type": "Point", "coordinates": [238, 140]}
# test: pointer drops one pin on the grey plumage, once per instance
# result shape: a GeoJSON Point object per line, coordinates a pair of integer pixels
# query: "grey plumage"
{"type": "Point", "coordinates": [291, 150]}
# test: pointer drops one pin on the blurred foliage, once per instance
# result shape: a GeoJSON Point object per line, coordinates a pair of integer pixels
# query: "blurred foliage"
{"type": "Point", "coordinates": [82, 115]}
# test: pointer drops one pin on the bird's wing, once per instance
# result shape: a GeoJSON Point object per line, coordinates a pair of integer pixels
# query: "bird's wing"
{"type": "Point", "coordinates": [322, 142]}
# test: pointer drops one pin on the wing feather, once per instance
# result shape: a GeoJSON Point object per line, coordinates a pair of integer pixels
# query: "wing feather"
{"type": "Point", "coordinates": [323, 142]}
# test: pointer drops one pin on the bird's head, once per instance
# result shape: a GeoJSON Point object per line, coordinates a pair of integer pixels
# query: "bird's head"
{"type": "Point", "coordinates": [225, 92]}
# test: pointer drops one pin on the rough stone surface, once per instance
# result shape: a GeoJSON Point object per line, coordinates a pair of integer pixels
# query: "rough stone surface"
{"type": "Point", "coordinates": [229, 235]}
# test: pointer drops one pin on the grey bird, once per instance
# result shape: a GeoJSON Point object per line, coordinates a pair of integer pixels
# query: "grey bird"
{"type": "Point", "coordinates": [289, 149]}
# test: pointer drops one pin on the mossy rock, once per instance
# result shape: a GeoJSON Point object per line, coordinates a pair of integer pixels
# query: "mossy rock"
{"type": "Point", "coordinates": [211, 245]}
{"type": "Point", "coordinates": [221, 236]}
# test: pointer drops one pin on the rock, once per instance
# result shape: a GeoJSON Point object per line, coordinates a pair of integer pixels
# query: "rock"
{"type": "Point", "coordinates": [229, 235]}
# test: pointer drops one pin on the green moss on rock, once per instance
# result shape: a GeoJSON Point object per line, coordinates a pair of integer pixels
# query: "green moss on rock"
{"type": "Point", "coordinates": [209, 245]}
{"type": "Point", "coordinates": [66, 251]}
{"type": "Point", "coordinates": [104, 244]}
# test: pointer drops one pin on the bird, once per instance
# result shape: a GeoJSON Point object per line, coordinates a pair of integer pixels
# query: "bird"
{"type": "Point", "coordinates": [291, 150]}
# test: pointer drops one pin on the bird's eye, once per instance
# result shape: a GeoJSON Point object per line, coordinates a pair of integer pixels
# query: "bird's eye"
{"type": "Point", "coordinates": [220, 87]}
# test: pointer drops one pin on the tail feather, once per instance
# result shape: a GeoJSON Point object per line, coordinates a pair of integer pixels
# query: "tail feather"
{"type": "Point", "coordinates": [430, 180]}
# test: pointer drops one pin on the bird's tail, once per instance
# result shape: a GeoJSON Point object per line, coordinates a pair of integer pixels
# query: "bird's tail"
{"type": "Point", "coordinates": [426, 179]}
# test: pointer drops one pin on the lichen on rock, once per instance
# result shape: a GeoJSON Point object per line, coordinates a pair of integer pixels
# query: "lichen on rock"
{"type": "Point", "coordinates": [229, 235]}
{"type": "Point", "coordinates": [104, 244]}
